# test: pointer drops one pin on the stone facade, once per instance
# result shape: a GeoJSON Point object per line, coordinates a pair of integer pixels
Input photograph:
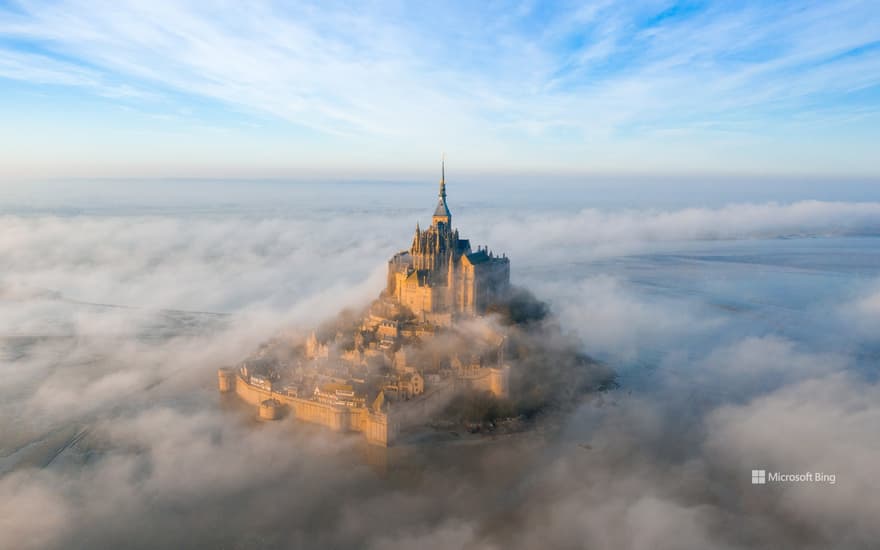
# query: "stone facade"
{"type": "Point", "coordinates": [373, 422]}
{"type": "Point", "coordinates": [495, 380]}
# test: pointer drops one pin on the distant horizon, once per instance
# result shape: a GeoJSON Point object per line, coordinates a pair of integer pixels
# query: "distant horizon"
{"type": "Point", "coordinates": [467, 193]}
{"type": "Point", "coordinates": [468, 175]}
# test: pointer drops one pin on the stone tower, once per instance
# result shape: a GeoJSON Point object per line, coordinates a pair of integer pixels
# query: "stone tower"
{"type": "Point", "coordinates": [442, 216]}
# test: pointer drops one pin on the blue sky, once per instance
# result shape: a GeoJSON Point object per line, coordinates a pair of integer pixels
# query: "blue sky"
{"type": "Point", "coordinates": [379, 89]}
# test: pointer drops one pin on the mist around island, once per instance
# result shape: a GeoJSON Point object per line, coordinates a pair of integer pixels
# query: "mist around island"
{"type": "Point", "coordinates": [744, 337]}
{"type": "Point", "coordinates": [688, 193]}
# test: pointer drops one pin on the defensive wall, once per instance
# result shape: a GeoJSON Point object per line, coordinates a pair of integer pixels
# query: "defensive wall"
{"type": "Point", "coordinates": [495, 380]}
{"type": "Point", "coordinates": [378, 428]}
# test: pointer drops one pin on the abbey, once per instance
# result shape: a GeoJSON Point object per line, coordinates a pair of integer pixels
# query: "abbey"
{"type": "Point", "coordinates": [440, 277]}
{"type": "Point", "coordinates": [417, 357]}
{"type": "Point", "coordinates": [372, 374]}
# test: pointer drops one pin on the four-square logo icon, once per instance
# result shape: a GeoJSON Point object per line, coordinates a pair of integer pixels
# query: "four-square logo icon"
{"type": "Point", "coordinates": [759, 477]}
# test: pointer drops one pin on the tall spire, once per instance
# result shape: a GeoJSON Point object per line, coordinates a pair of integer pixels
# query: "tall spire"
{"type": "Point", "coordinates": [443, 177]}
{"type": "Point", "coordinates": [441, 213]}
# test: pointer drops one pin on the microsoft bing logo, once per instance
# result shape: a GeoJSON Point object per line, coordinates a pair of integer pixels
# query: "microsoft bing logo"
{"type": "Point", "coordinates": [762, 477]}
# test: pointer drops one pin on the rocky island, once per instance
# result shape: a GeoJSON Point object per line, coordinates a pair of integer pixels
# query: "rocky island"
{"type": "Point", "coordinates": [448, 341]}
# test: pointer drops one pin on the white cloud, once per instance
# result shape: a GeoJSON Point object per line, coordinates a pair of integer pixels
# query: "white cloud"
{"type": "Point", "coordinates": [161, 450]}
{"type": "Point", "coordinates": [822, 425]}
{"type": "Point", "coordinates": [862, 314]}
{"type": "Point", "coordinates": [592, 233]}
{"type": "Point", "coordinates": [383, 80]}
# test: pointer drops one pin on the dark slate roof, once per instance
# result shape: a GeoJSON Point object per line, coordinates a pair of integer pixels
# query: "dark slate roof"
{"type": "Point", "coordinates": [442, 209]}
{"type": "Point", "coordinates": [478, 257]}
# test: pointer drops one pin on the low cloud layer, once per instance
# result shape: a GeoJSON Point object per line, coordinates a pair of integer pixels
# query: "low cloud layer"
{"type": "Point", "coordinates": [114, 435]}
{"type": "Point", "coordinates": [599, 233]}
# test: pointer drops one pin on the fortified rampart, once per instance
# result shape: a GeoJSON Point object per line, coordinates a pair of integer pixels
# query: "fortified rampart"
{"type": "Point", "coordinates": [377, 427]}
{"type": "Point", "coordinates": [495, 380]}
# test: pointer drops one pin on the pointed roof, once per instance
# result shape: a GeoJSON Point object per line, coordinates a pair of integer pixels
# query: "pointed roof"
{"type": "Point", "coordinates": [442, 209]}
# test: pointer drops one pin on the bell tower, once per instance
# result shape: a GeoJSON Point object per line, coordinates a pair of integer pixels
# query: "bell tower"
{"type": "Point", "coordinates": [442, 217]}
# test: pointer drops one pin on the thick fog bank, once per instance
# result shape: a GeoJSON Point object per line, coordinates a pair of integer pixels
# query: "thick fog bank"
{"type": "Point", "coordinates": [741, 347]}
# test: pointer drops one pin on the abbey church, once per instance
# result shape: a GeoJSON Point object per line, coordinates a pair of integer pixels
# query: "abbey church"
{"type": "Point", "coordinates": [349, 379]}
{"type": "Point", "coordinates": [440, 277]}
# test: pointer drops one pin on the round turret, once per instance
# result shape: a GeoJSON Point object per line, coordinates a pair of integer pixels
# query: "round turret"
{"type": "Point", "coordinates": [270, 409]}
{"type": "Point", "coordinates": [226, 379]}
